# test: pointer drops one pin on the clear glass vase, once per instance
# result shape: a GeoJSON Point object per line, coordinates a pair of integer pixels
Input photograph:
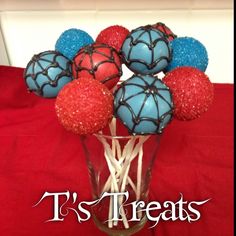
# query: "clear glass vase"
{"type": "Point", "coordinates": [119, 164]}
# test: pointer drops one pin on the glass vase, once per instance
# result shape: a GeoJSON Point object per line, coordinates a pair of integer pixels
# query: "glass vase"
{"type": "Point", "coordinates": [121, 165]}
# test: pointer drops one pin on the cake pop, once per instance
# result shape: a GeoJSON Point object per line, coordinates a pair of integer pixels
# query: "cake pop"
{"type": "Point", "coordinates": [188, 51]}
{"type": "Point", "coordinates": [146, 50]}
{"type": "Point", "coordinates": [165, 30]}
{"type": "Point", "coordinates": [144, 104]}
{"type": "Point", "coordinates": [192, 92]}
{"type": "Point", "coordinates": [100, 62]}
{"type": "Point", "coordinates": [84, 106]}
{"type": "Point", "coordinates": [113, 36]}
{"type": "Point", "coordinates": [47, 72]}
{"type": "Point", "coordinates": [71, 41]}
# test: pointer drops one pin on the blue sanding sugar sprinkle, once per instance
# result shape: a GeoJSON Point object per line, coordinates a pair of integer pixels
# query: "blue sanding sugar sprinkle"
{"type": "Point", "coordinates": [71, 41]}
{"type": "Point", "coordinates": [188, 51]}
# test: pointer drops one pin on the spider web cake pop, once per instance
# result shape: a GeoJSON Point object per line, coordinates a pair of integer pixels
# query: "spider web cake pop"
{"type": "Point", "coordinates": [47, 72]}
{"type": "Point", "coordinates": [165, 30]}
{"type": "Point", "coordinates": [144, 104]}
{"type": "Point", "coordinates": [146, 50]}
{"type": "Point", "coordinates": [100, 62]}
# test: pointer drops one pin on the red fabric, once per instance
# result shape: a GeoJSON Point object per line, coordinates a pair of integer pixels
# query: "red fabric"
{"type": "Point", "coordinates": [38, 155]}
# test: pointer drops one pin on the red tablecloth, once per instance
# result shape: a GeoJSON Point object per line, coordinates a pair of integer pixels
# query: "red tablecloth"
{"type": "Point", "coordinates": [38, 155]}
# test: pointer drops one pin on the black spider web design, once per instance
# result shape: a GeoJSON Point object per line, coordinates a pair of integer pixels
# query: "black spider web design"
{"type": "Point", "coordinates": [148, 90]}
{"type": "Point", "coordinates": [151, 46]}
{"type": "Point", "coordinates": [165, 30]}
{"type": "Point", "coordinates": [89, 50]}
{"type": "Point", "coordinates": [36, 61]}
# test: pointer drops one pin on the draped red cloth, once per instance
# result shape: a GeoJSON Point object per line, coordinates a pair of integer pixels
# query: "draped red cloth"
{"type": "Point", "coordinates": [37, 155]}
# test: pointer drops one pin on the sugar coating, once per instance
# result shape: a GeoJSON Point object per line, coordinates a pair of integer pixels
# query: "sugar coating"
{"type": "Point", "coordinates": [84, 106]}
{"type": "Point", "coordinates": [187, 51]}
{"type": "Point", "coordinates": [113, 36]}
{"type": "Point", "coordinates": [71, 41]}
{"type": "Point", "coordinates": [192, 92]}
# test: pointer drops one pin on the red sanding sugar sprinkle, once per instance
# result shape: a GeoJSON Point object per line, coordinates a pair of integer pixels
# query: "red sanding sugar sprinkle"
{"type": "Point", "coordinates": [84, 106]}
{"type": "Point", "coordinates": [113, 36]}
{"type": "Point", "coordinates": [192, 92]}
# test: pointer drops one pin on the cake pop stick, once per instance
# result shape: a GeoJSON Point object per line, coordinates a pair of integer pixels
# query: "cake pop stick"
{"type": "Point", "coordinates": [121, 158]}
{"type": "Point", "coordinates": [110, 223]}
{"type": "Point", "coordinates": [133, 154]}
{"type": "Point", "coordinates": [112, 165]}
{"type": "Point", "coordinates": [139, 173]}
{"type": "Point", "coordinates": [139, 178]}
{"type": "Point", "coordinates": [125, 169]}
{"type": "Point", "coordinates": [116, 189]}
{"type": "Point", "coordinates": [108, 183]}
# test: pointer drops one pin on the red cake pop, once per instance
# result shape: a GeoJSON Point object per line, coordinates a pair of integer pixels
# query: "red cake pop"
{"type": "Point", "coordinates": [192, 92]}
{"type": "Point", "coordinates": [113, 36]}
{"type": "Point", "coordinates": [84, 106]}
{"type": "Point", "coordinates": [100, 62]}
{"type": "Point", "coordinates": [165, 30]}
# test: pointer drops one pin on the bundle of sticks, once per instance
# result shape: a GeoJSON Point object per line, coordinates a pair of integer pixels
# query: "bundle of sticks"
{"type": "Point", "coordinates": [119, 160]}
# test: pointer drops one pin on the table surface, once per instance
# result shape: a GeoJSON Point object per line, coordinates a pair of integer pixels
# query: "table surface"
{"type": "Point", "coordinates": [37, 155]}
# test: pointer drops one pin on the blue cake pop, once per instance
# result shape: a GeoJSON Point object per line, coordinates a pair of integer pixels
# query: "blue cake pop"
{"type": "Point", "coordinates": [188, 51]}
{"type": "Point", "coordinates": [71, 41]}
{"type": "Point", "coordinates": [146, 50]}
{"type": "Point", "coordinates": [144, 104]}
{"type": "Point", "coordinates": [47, 72]}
